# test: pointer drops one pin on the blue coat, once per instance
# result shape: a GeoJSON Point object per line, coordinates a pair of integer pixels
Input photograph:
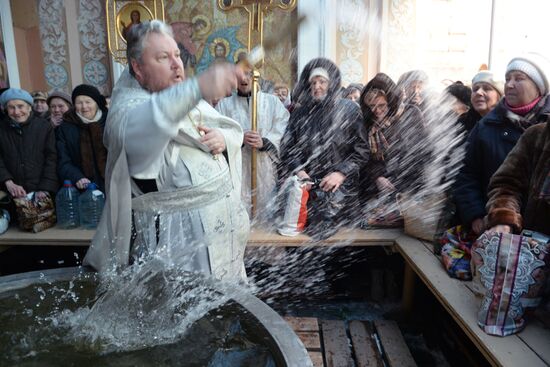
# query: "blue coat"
{"type": "Point", "coordinates": [488, 144]}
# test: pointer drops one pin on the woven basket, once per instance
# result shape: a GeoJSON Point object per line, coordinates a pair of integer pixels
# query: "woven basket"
{"type": "Point", "coordinates": [421, 216]}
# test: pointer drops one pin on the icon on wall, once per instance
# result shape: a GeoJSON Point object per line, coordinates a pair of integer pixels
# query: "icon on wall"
{"type": "Point", "coordinates": [122, 15]}
{"type": "Point", "coordinates": [130, 15]}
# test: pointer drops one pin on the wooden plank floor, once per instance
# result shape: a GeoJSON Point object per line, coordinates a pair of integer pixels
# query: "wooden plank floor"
{"type": "Point", "coordinates": [337, 343]}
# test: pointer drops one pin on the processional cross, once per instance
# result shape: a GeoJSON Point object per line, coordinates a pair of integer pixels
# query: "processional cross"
{"type": "Point", "coordinates": [256, 10]}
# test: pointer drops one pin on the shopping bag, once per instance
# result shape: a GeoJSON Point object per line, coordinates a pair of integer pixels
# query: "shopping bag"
{"type": "Point", "coordinates": [511, 270]}
{"type": "Point", "coordinates": [295, 207]}
{"type": "Point", "coordinates": [35, 214]}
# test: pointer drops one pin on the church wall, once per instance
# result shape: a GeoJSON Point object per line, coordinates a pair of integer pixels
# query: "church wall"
{"type": "Point", "coordinates": [61, 43]}
{"type": "Point", "coordinates": [200, 25]}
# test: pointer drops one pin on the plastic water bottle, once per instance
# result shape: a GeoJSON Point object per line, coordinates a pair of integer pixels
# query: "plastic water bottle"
{"type": "Point", "coordinates": [4, 220]}
{"type": "Point", "coordinates": [91, 205]}
{"type": "Point", "coordinates": [66, 206]}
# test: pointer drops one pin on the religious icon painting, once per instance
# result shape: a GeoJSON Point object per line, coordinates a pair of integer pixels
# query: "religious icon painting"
{"type": "Point", "coordinates": [122, 15]}
{"type": "Point", "coordinates": [131, 14]}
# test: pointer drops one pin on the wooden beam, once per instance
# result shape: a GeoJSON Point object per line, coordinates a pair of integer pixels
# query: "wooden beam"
{"type": "Point", "coordinates": [395, 349]}
{"type": "Point", "coordinates": [336, 344]}
{"type": "Point", "coordinates": [364, 347]}
{"type": "Point", "coordinates": [407, 301]}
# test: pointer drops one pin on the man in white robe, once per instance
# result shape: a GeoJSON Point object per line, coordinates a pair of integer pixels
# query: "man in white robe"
{"type": "Point", "coordinates": [174, 165]}
{"type": "Point", "coordinates": [272, 121]}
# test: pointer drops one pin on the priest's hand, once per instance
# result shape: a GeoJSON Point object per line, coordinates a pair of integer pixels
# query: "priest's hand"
{"type": "Point", "coordinates": [15, 190]}
{"type": "Point", "coordinates": [213, 139]}
{"type": "Point", "coordinates": [253, 139]}
{"type": "Point", "coordinates": [332, 181]}
{"type": "Point", "coordinates": [218, 80]}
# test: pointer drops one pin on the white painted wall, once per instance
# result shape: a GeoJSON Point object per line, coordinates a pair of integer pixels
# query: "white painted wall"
{"type": "Point", "coordinates": [9, 43]}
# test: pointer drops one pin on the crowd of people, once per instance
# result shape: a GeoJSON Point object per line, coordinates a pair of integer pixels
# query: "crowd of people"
{"type": "Point", "coordinates": [348, 146]}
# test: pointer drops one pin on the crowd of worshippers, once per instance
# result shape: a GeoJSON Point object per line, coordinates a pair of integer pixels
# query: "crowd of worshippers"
{"type": "Point", "coordinates": [348, 146]}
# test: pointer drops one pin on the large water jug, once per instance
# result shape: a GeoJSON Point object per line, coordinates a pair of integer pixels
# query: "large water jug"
{"type": "Point", "coordinates": [66, 205]}
{"type": "Point", "coordinates": [91, 205]}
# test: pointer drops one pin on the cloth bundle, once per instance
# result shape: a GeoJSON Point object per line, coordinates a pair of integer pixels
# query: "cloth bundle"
{"type": "Point", "coordinates": [510, 271]}
{"type": "Point", "coordinates": [295, 210]}
{"type": "Point", "coordinates": [35, 215]}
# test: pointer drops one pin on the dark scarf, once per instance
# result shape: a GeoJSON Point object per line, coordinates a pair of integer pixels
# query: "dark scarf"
{"type": "Point", "coordinates": [93, 154]}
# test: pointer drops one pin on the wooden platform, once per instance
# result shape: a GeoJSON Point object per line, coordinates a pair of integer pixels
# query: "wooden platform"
{"type": "Point", "coordinates": [531, 347]}
{"type": "Point", "coordinates": [336, 343]}
{"type": "Point", "coordinates": [258, 237]}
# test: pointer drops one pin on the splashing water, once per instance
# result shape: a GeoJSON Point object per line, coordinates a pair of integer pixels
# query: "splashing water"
{"type": "Point", "coordinates": [149, 315]}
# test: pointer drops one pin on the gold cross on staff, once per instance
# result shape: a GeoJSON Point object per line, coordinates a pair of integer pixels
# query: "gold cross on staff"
{"type": "Point", "coordinates": [256, 11]}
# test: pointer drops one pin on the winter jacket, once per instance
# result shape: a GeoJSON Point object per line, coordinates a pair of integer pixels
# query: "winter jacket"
{"type": "Point", "coordinates": [69, 156]}
{"type": "Point", "coordinates": [376, 167]}
{"type": "Point", "coordinates": [323, 136]}
{"type": "Point", "coordinates": [469, 119]}
{"type": "Point", "coordinates": [514, 190]}
{"type": "Point", "coordinates": [27, 154]}
{"type": "Point", "coordinates": [488, 144]}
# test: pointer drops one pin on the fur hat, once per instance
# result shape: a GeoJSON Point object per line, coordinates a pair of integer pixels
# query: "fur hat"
{"type": "Point", "coordinates": [487, 76]}
{"type": "Point", "coordinates": [15, 93]}
{"type": "Point", "coordinates": [318, 72]}
{"type": "Point", "coordinates": [39, 95]}
{"type": "Point", "coordinates": [60, 94]}
{"type": "Point", "coordinates": [534, 66]}
{"type": "Point", "coordinates": [92, 92]}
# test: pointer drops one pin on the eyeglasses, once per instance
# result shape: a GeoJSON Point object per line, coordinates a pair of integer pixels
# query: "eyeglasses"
{"type": "Point", "coordinates": [380, 106]}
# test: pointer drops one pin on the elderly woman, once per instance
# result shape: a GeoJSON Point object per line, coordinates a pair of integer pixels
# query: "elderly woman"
{"type": "Point", "coordinates": [486, 92]}
{"type": "Point", "coordinates": [379, 103]}
{"type": "Point", "coordinates": [27, 148]}
{"type": "Point", "coordinates": [525, 103]}
{"type": "Point", "coordinates": [412, 85]}
{"type": "Point", "coordinates": [59, 103]}
{"type": "Point", "coordinates": [81, 153]}
{"type": "Point", "coordinates": [353, 92]}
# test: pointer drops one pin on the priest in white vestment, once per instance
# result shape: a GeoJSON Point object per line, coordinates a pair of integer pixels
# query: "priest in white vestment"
{"type": "Point", "coordinates": [174, 165]}
{"type": "Point", "coordinates": [272, 121]}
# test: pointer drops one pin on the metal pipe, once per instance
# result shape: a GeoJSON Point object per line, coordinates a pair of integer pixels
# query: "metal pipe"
{"type": "Point", "coordinates": [491, 35]}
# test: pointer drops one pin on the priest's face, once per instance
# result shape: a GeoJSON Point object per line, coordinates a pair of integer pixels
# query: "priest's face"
{"type": "Point", "coordinates": [245, 81]}
{"type": "Point", "coordinates": [160, 66]}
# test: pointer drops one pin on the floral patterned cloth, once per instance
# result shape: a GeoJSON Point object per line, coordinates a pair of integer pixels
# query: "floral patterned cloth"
{"type": "Point", "coordinates": [456, 247]}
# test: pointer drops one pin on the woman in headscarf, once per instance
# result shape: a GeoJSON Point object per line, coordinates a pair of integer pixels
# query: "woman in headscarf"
{"type": "Point", "coordinates": [81, 153]}
{"type": "Point", "coordinates": [525, 104]}
{"type": "Point", "coordinates": [379, 103]}
{"type": "Point", "coordinates": [27, 148]}
{"type": "Point", "coordinates": [486, 92]}
{"type": "Point", "coordinates": [59, 103]}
